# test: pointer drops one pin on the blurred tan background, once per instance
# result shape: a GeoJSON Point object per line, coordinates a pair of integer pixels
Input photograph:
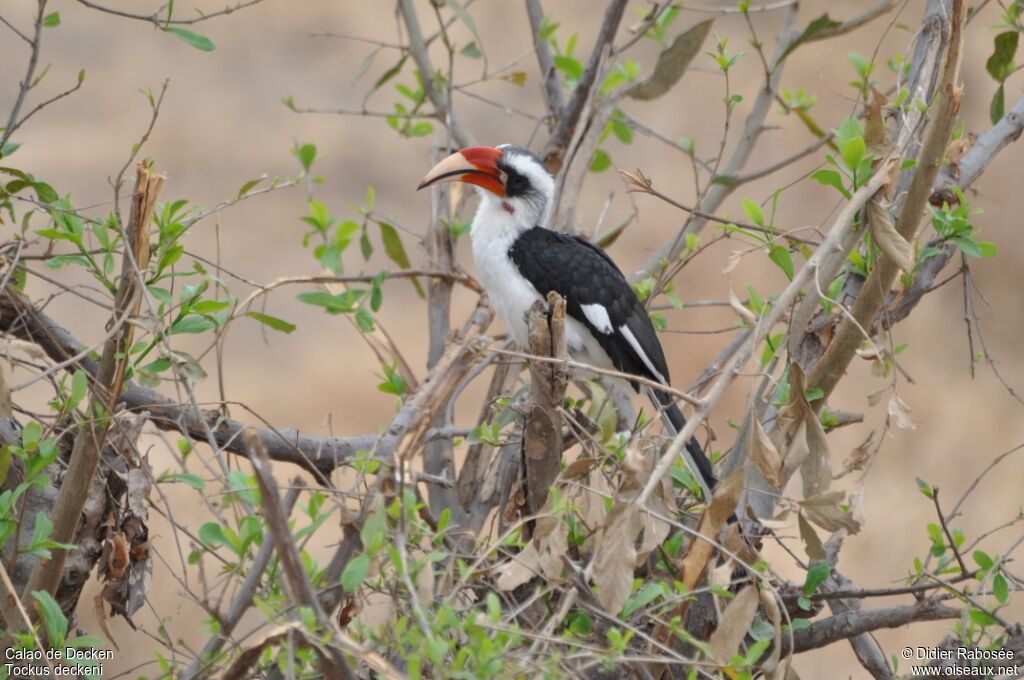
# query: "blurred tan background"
{"type": "Point", "coordinates": [223, 123]}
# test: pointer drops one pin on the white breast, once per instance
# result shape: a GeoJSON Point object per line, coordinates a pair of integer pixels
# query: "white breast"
{"type": "Point", "coordinates": [493, 232]}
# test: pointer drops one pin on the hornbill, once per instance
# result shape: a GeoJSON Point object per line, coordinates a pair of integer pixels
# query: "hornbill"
{"type": "Point", "coordinates": [519, 261]}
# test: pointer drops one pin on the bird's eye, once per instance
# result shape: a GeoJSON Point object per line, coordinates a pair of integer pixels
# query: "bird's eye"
{"type": "Point", "coordinates": [516, 184]}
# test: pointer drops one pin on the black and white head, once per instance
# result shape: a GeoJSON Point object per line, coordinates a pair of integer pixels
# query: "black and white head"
{"type": "Point", "coordinates": [510, 178]}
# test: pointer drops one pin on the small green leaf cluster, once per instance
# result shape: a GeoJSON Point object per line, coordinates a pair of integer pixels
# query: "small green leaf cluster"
{"type": "Point", "coordinates": [952, 224]}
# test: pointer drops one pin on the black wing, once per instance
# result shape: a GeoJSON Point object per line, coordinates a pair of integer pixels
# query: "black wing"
{"type": "Point", "coordinates": [584, 275]}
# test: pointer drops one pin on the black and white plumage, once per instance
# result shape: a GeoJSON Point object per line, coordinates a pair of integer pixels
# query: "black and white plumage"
{"type": "Point", "coordinates": [520, 261]}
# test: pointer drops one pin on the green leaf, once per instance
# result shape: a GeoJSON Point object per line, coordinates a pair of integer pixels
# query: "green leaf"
{"type": "Point", "coordinates": [79, 386]}
{"type": "Point", "coordinates": [212, 535]}
{"type": "Point", "coordinates": [601, 161]}
{"type": "Point", "coordinates": [51, 20]}
{"type": "Point", "coordinates": [830, 178]}
{"type": "Point", "coordinates": [272, 321]}
{"type": "Point", "coordinates": [193, 323]}
{"type": "Point", "coordinates": [816, 27]}
{"type": "Point", "coordinates": [925, 488]}
{"type": "Point", "coordinates": [572, 68]}
{"type": "Point", "coordinates": [753, 211]}
{"type": "Point", "coordinates": [649, 593]}
{"type": "Point", "coordinates": [997, 108]}
{"type": "Point", "coordinates": [388, 75]}
{"type": "Point", "coordinates": [982, 559]}
{"type": "Point", "coordinates": [470, 50]}
{"type": "Point", "coordinates": [244, 189]}
{"type": "Point", "coordinates": [987, 249]}
{"type": "Point", "coordinates": [816, 575]}
{"type": "Point", "coordinates": [197, 41]}
{"type": "Point", "coordinates": [333, 304]}
{"type": "Point", "coordinates": [396, 251]}
{"type": "Point", "coordinates": [781, 257]}
{"type": "Point", "coordinates": [982, 618]}
{"type": "Point", "coordinates": [852, 151]}
{"type": "Point", "coordinates": [42, 529]}
{"type": "Point", "coordinates": [393, 245]}
{"type": "Point", "coordinates": [306, 155]}
{"type": "Point", "coordinates": [354, 572]}
{"type": "Point", "coordinates": [53, 618]}
{"type": "Point", "coordinates": [1000, 589]}
{"type": "Point", "coordinates": [1000, 64]}
{"type": "Point", "coordinates": [967, 246]}
{"type": "Point", "coordinates": [188, 478]}
{"type": "Point", "coordinates": [672, 63]}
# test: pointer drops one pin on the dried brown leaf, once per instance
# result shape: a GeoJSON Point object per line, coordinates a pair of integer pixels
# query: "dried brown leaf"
{"type": "Point", "coordinates": [636, 181]}
{"type": "Point", "coordinates": [824, 511]}
{"type": "Point", "coordinates": [875, 136]}
{"type": "Point", "coordinates": [723, 504]}
{"type": "Point", "coordinates": [764, 453]}
{"type": "Point", "coordinates": [118, 559]}
{"type": "Point", "coordinates": [812, 543]}
{"type": "Point", "coordinates": [900, 412]}
{"type": "Point", "coordinates": [552, 544]}
{"type": "Point", "coordinates": [734, 624]}
{"type": "Point", "coordinates": [884, 234]}
{"type": "Point", "coordinates": [615, 557]}
{"type": "Point", "coordinates": [579, 467]}
{"type": "Point", "coordinates": [771, 609]}
{"type": "Point", "coordinates": [795, 452]}
{"type": "Point", "coordinates": [816, 469]}
{"type": "Point", "coordinates": [101, 618]}
{"type": "Point", "coordinates": [721, 576]}
{"type": "Point", "coordinates": [519, 569]}
{"type": "Point", "coordinates": [138, 491]}
{"type": "Point", "coordinates": [655, 529]}
{"type": "Point", "coordinates": [859, 457]}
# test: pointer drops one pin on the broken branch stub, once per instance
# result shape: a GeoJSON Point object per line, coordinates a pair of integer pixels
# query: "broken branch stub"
{"type": "Point", "coordinates": [542, 431]}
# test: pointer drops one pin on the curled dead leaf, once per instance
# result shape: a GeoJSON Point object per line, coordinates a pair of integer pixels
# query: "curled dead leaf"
{"type": "Point", "coordinates": [763, 452]}
{"type": "Point", "coordinates": [519, 569]}
{"type": "Point", "coordinates": [812, 542]}
{"type": "Point", "coordinates": [734, 624]}
{"type": "Point", "coordinates": [859, 457]}
{"type": "Point", "coordinates": [824, 511]}
{"type": "Point", "coordinates": [636, 181]}
{"type": "Point", "coordinates": [748, 317]}
{"type": "Point", "coordinates": [117, 560]}
{"type": "Point", "coordinates": [884, 234]}
{"type": "Point", "coordinates": [900, 412]}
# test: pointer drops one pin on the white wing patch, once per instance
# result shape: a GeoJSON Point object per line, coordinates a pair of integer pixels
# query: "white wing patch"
{"type": "Point", "coordinates": [635, 344]}
{"type": "Point", "coordinates": [598, 317]}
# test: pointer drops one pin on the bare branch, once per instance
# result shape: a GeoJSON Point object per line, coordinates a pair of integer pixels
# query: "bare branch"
{"type": "Point", "coordinates": [418, 49]}
{"type": "Point", "coordinates": [30, 70]}
{"type": "Point", "coordinates": [846, 625]}
{"type": "Point", "coordinates": [553, 95]}
{"type": "Point", "coordinates": [572, 112]}
{"type": "Point", "coordinates": [163, 22]}
{"type": "Point", "coordinates": [300, 590]}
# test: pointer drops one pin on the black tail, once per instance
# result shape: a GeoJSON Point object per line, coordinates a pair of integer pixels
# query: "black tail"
{"type": "Point", "coordinates": [698, 461]}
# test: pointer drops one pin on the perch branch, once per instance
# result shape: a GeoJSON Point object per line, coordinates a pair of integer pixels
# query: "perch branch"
{"type": "Point", "coordinates": [107, 388]}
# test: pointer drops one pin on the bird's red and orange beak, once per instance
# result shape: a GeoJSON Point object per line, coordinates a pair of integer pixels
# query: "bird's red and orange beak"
{"type": "Point", "coordinates": [475, 165]}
